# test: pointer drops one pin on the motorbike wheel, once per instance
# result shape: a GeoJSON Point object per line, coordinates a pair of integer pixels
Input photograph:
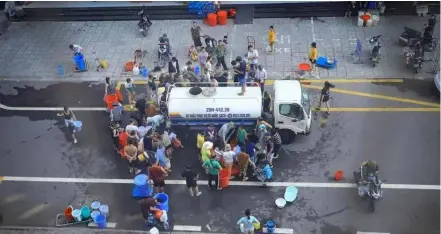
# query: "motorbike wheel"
{"type": "Point", "coordinates": [371, 205]}
{"type": "Point", "coordinates": [162, 61]}
{"type": "Point", "coordinates": [374, 64]}
{"type": "Point", "coordinates": [144, 33]}
{"type": "Point", "coordinates": [416, 70]}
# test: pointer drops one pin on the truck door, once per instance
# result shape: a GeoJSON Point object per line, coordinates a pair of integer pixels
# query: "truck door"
{"type": "Point", "coordinates": [291, 116]}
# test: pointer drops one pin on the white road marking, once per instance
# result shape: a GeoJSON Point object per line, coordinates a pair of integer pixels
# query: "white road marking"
{"type": "Point", "coordinates": [94, 225]}
{"type": "Point", "coordinates": [373, 233]}
{"type": "Point", "coordinates": [187, 228]}
{"type": "Point", "coordinates": [284, 231]}
{"type": "Point", "coordinates": [11, 108]}
{"type": "Point", "coordinates": [232, 43]}
{"type": "Point", "coordinates": [233, 183]}
{"type": "Point", "coordinates": [312, 29]}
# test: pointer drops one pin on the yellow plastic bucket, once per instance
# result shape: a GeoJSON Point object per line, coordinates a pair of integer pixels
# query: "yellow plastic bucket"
{"type": "Point", "coordinates": [256, 226]}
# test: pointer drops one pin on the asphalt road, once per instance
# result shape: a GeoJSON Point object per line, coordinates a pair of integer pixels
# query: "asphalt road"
{"type": "Point", "coordinates": [405, 144]}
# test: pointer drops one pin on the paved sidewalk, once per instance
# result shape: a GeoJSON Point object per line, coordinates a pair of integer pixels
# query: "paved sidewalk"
{"type": "Point", "coordinates": [33, 50]}
{"type": "Point", "coordinates": [76, 230]}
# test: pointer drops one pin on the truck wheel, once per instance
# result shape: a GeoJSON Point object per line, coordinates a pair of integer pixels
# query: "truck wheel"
{"type": "Point", "coordinates": [287, 136]}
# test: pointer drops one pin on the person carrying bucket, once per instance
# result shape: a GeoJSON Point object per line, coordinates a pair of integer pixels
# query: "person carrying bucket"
{"type": "Point", "coordinates": [148, 206]}
{"type": "Point", "coordinates": [69, 120]}
{"type": "Point", "coordinates": [247, 223]}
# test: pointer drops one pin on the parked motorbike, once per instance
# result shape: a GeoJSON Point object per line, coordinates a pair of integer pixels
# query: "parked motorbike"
{"type": "Point", "coordinates": [409, 36]}
{"type": "Point", "coordinates": [144, 23]}
{"type": "Point", "coordinates": [369, 190]}
{"type": "Point", "coordinates": [375, 54]}
{"type": "Point", "coordinates": [163, 55]}
{"type": "Point", "coordinates": [414, 58]}
{"type": "Point", "coordinates": [210, 47]}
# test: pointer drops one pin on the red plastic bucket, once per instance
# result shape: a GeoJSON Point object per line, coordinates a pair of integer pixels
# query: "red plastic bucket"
{"type": "Point", "coordinates": [304, 67]}
{"type": "Point", "coordinates": [68, 213]}
{"type": "Point", "coordinates": [212, 19]}
{"type": "Point", "coordinates": [222, 17]}
{"type": "Point", "coordinates": [338, 175]}
{"type": "Point", "coordinates": [235, 170]}
{"type": "Point", "coordinates": [110, 99]}
{"type": "Point", "coordinates": [224, 178]}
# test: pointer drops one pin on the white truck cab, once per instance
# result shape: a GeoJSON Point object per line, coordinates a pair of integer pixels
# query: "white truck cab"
{"type": "Point", "coordinates": [291, 109]}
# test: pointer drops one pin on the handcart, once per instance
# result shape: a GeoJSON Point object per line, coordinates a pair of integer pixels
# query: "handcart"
{"type": "Point", "coordinates": [62, 221]}
{"type": "Point", "coordinates": [326, 63]}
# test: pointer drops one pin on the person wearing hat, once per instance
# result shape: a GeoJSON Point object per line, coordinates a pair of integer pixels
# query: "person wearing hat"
{"type": "Point", "coordinates": [191, 181]}
{"type": "Point", "coordinates": [206, 151]}
{"type": "Point", "coordinates": [228, 158]}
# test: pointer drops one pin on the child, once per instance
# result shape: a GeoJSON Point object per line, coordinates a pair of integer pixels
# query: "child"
{"type": "Point", "coordinates": [193, 53]}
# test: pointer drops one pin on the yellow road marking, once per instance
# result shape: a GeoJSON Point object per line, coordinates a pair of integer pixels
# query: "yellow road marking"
{"type": "Point", "coordinates": [378, 109]}
{"type": "Point", "coordinates": [391, 98]}
{"type": "Point", "coordinates": [271, 82]}
{"type": "Point", "coordinates": [1, 178]}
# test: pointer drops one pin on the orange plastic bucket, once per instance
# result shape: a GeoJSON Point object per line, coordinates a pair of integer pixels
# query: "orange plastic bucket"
{"type": "Point", "coordinates": [222, 17]}
{"type": "Point", "coordinates": [68, 213]}
{"type": "Point", "coordinates": [129, 66]}
{"type": "Point", "coordinates": [158, 214]}
{"type": "Point", "coordinates": [110, 99]}
{"type": "Point", "coordinates": [212, 19]}
{"type": "Point", "coordinates": [304, 67]}
{"type": "Point", "coordinates": [224, 178]}
{"type": "Point", "coordinates": [122, 143]}
{"type": "Point", "coordinates": [365, 17]}
{"type": "Point", "coordinates": [338, 175]}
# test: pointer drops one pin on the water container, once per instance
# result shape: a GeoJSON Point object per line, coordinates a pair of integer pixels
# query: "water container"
{"type": "Point", "coordinates": [95, 205]}
{"type": "Point", "coordinates": [101, 221]}
{"type": "Point", "coordinates": [154, 230]}
{"type": "Point", "coordinates": [163, 198]}
{"type": "Point", "coordinates": [140, 180]}
{"type": "Point", "coordinates": [145, 72]}
{"type": "Point", "coordinates": [270, 226]}
{"type": "Point", "coordinates": [79, 62]}
{"type": "Point", "coordinates": [94, 214]}
{"type": "Point", "coordinates": [85, 212]}
{"type": "Point", "coordinates": [77, 125]}
{"type": "Point", "coordinates": [76, 214]}
{"type": "Point", "coordinates": [140, 192]}
{"type": "Point", "coordinates": [104, 210]}
{"type": "Point", "coordinates": [197, 70]}
{"type": "Point", "coordinates": [135, 70]}
{"type": "Point", "coordinates": [60, 70]}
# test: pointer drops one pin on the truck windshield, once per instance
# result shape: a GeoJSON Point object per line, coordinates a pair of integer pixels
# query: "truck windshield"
{"type": "Point", "coordinates": [306, 100]}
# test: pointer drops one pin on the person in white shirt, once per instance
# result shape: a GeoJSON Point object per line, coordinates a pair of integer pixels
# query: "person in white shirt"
{"type": "Point", "coordinates": [261, 76]}
{"type": "Point", "coordinates": [76, 49]}
{"type": "Point", "coordinates": [228, 157]}
{"type": "Point", "coordinates": [252, 57]}
{"type": "Point", "coordinates": [208, 65]}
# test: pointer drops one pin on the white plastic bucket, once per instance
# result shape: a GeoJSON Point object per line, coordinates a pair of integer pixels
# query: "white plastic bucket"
{"type": "Point", "coordinates": [76, 214]}
{"type": "Point", "coordinates": [104, 209]}
{"type": "Point", "coordinates": [94, 214]}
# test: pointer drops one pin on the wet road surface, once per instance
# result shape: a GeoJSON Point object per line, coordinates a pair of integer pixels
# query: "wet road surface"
{"type": "Point", "coordinates": [405, 144]}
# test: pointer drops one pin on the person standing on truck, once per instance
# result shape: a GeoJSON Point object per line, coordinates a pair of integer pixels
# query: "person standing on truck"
{"type": "Point", "coordinates": [325, 95]}
{"type": "Point", "coordinates": [261, 76]}
{"type": "Point", "coordinates": [240, 71]}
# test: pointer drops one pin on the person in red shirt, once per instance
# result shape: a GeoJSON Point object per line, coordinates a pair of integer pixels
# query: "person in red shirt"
{"type": "Point", "coordinates": [157, 174]}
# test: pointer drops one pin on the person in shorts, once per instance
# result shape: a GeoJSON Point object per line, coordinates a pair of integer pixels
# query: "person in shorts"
{"type": "Point", "coordinates": [157, 174]}
{"type": "Point", "coordinates": [325, 95]}
{"type": "Point", "coordinates": [191, 181]}
{"type": "Point", "coordinates": [240, 71]}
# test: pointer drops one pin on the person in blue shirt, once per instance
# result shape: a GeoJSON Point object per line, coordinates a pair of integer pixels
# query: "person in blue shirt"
{"type": "Point", "coordinates": [247, 221]}
{"type": "Point", "coordinates": [240, 71]}
{"type": "Point", "coordinates": [163, 161]}
{"type": "Point", "coordinates": [249, 149]}
{"type": "Point", "coordinates": [237, 149]}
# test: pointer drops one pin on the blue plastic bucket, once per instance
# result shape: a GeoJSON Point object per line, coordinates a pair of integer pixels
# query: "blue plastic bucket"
{"type": "Point", "coordinates": [85, 212]}
{"type": "Point", "coordinates": [163, 201]}
{"type": "Point", "coordinates": [76, 214]}
{"type": "Point", "coordinates": [140, 180]}
{"type": "Point", "coordinates": [270, 226]}
{"type": "Point", "coordinates": [95, 205]}
{"type": "Point", "coordinates": [94, 214]}
{"type": "Point", "coordinates": [77, 125]}
{"type": "Point", "coordinates": [101, 221]}
{"type": "Point", "coordinates": [144, 191]}
{"type": "Point", "coordinates": [104, 210]}
{"type": "Point", "coordinates": [197, 70]}
{"type": "Point", "coordinates": [79, 62]}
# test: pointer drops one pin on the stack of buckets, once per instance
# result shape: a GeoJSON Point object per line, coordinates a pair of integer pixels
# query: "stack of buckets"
{"type": "Point", "coordinates": [201, 8]}
{"type": "Point", "coordinates": [97, 213]}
